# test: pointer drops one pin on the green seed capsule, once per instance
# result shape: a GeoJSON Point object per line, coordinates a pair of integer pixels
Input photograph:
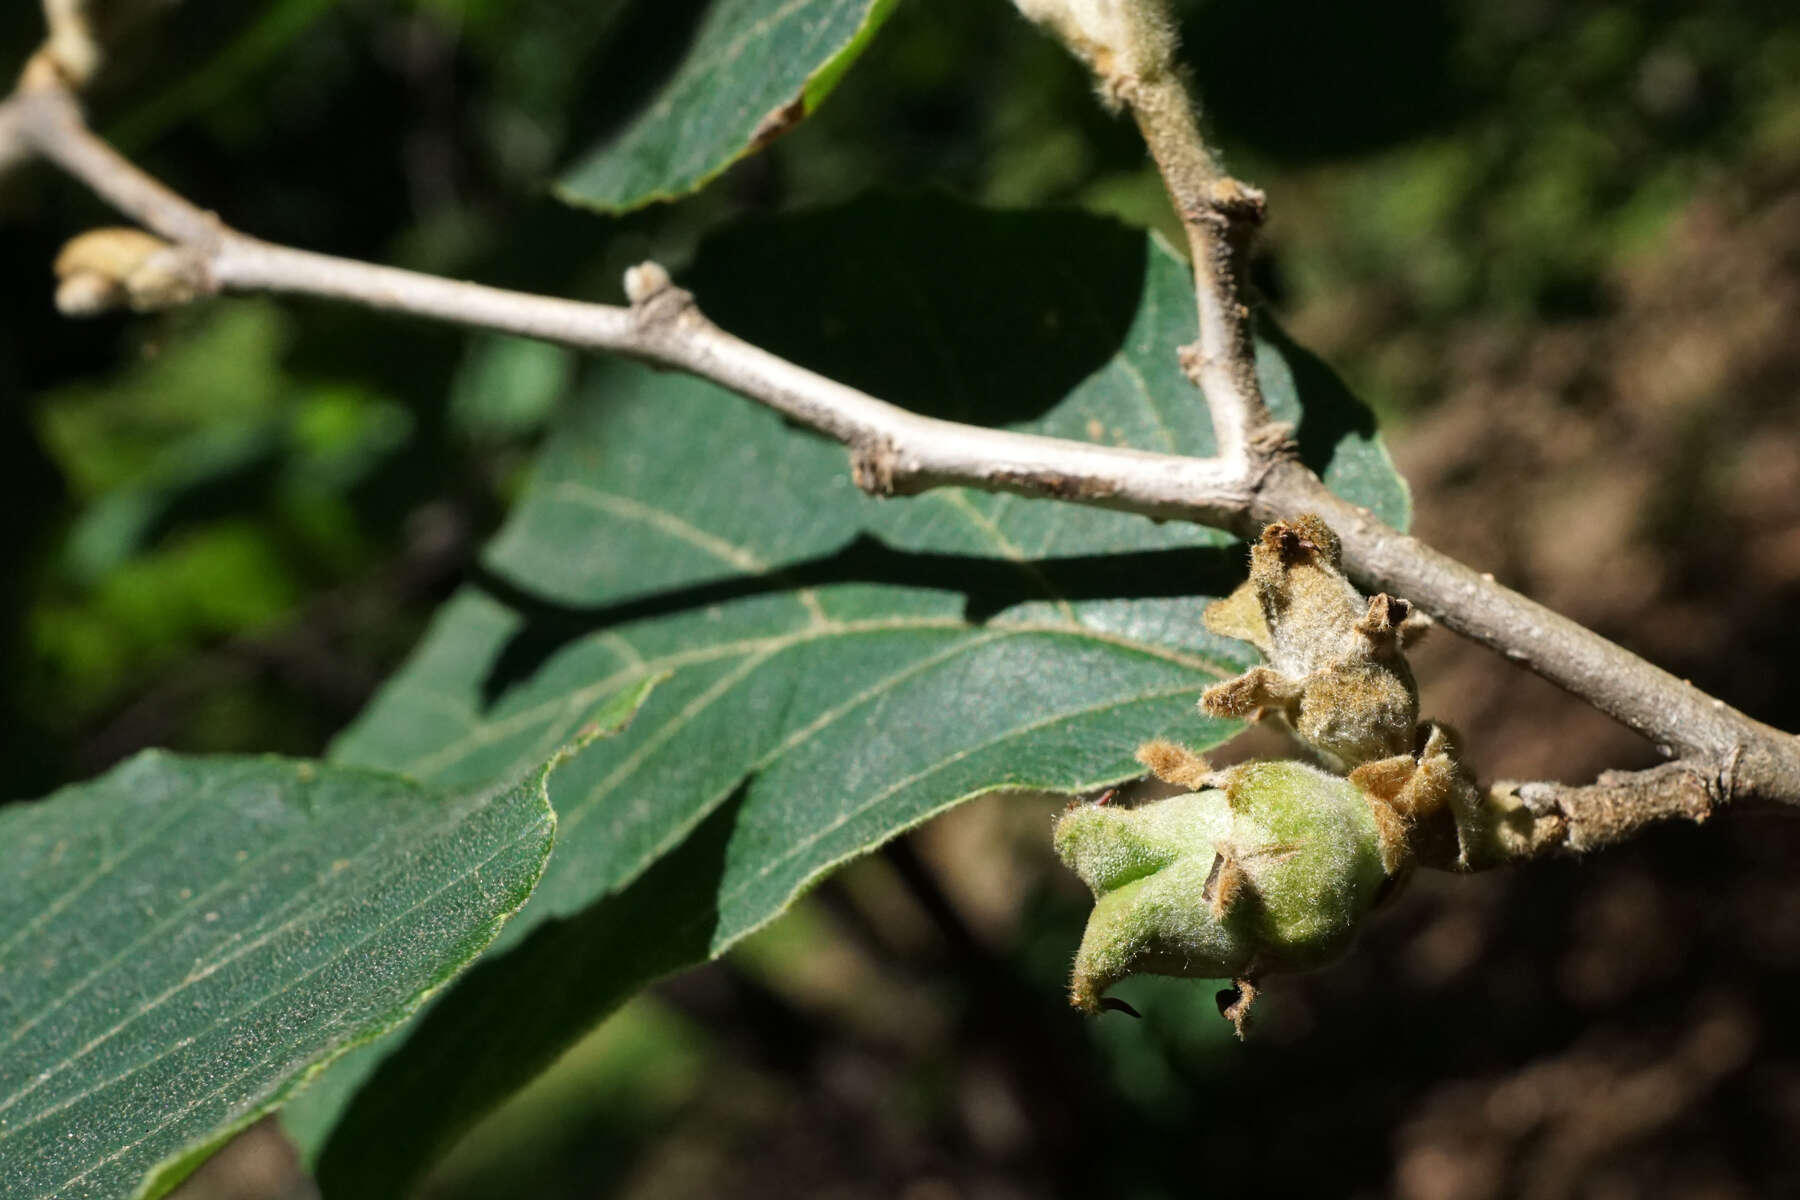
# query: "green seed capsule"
{"type": "Point", "coordinates": [1271, 872]}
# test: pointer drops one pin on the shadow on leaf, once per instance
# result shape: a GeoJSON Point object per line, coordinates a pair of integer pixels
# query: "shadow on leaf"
{"type": "Point", "coordinates": [989, 587]}
{"type": "Point", "coordinates": [930, 303]}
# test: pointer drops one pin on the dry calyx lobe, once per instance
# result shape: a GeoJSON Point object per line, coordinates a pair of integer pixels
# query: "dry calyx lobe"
{"type": "Point", "coordinates": [1271, 866]}
{"type": "Point", "coordinates": [1336, 672]}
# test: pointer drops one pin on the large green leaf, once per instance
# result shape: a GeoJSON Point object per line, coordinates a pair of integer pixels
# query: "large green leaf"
{"type": "Point", "coordinates": [753, 69]}
{"type": "Point", "coordinates": [184, 942]}
{"type": "Point", "coordinates": [835, 668]}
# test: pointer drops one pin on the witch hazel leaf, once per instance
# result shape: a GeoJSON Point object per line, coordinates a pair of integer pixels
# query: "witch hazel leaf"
{"type": "Point", "coordinates": [184, 942]}
{"type": "Point", "coordinates": [836, 668]}
{"type": "Point", "coordinates": [754, 70]}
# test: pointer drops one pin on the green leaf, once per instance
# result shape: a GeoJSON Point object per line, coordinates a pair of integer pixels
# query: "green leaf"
{"type": "Point", "coordinates": [184, 942]}
{"type": "Point", "coordinates": [838, 669]}
{"type": "Point", "coordinates": [753, 70]}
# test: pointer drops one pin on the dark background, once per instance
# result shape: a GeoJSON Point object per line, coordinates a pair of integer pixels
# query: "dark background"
{"type": "Point", "coordinates": [1556, 245]}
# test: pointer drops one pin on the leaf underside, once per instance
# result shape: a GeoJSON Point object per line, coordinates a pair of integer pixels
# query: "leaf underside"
{"type": "Point", "coordinates": [184, 942]}
{"type": "Point", "coordinates": [829, 669]}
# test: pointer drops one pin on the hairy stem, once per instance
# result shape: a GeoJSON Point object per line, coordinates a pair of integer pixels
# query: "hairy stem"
{"type": "Point", "coordinates": [1130, 47]}
{"type": "Point", "coordinates": [1220, 215]}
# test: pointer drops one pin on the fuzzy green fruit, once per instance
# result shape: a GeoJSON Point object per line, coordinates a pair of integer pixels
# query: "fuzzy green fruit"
{"type": "Point", "coordinates": [1273, 871]}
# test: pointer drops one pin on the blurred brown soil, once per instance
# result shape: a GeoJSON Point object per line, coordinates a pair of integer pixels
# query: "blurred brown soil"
{"type": "Point", "coordinates": [1622, 1027]}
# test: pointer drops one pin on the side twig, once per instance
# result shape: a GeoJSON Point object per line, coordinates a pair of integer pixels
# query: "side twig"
{"type": "Point", "coordinates": [1131, 50]}
{"type": "Point", "coordinates": [1618, 804]}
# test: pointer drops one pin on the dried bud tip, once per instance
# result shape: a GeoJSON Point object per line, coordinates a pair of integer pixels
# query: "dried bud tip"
{"type": "Point", "coordinates": [645, 281]}
{"type": "Point", "coordinates": [1114, 1004]}
{"type": "Point", "coordinates": [1234, 1005]}
{"type": "Point", "coordinates": [71, 45]}
{"type": "Point", "coordinates": [1303, 538]}
{"type": "Point", "coordinates": [1381, 623]}
{"type": "Point", "coordinates": [1393, 611]}
{"type": "Point", "coordinates": [1175, 764]}
{"type": "Point", "coordinates": [1392, 621]}
{"type": "Point", "coordinates": [114, 252]}
{"type": "Point", "coordinates": [1226, 885]}
{"type": "Point", "coordinates": [85, 294]}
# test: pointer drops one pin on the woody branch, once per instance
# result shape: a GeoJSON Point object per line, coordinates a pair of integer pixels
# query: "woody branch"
{"type": "Point", "coordinates": [1718, 754]}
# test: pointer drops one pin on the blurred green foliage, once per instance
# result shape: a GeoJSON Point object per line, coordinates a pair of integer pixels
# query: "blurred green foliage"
{"type": "Point", "coordinates": [189, 490]}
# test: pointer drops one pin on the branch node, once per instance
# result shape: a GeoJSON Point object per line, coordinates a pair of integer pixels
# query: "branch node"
{"type": "Point", "coordinates": [656, 303]}
{"type": "Point", "coordinates": [1273, 442]}
{"type": "Point", "coordinates": [874, 462]}
{"type": "Point", "coordinates": [1229, 204]}
{"type": "Point", "coordinates": [45, 72]}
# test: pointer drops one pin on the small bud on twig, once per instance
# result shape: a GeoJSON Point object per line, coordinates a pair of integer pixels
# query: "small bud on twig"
{"type": "Point", "coordinates": [656, 303]}
{"type": "Point", "coordinates": [645, 281]}
{"type": "Point", "coordinates": [81, 31]}
{"type": "Point", "coordinates": [71, 45]}
{"type": "Point", "coordinates": [105, 269]}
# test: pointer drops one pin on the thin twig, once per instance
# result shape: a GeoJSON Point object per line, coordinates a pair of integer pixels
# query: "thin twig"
{"type": "Point", "coordinates": [898, 452]}
{"type": "Point", "coordinates": [1130, 47]}
{"type": "Point", "coordinates": [1220, 216]}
